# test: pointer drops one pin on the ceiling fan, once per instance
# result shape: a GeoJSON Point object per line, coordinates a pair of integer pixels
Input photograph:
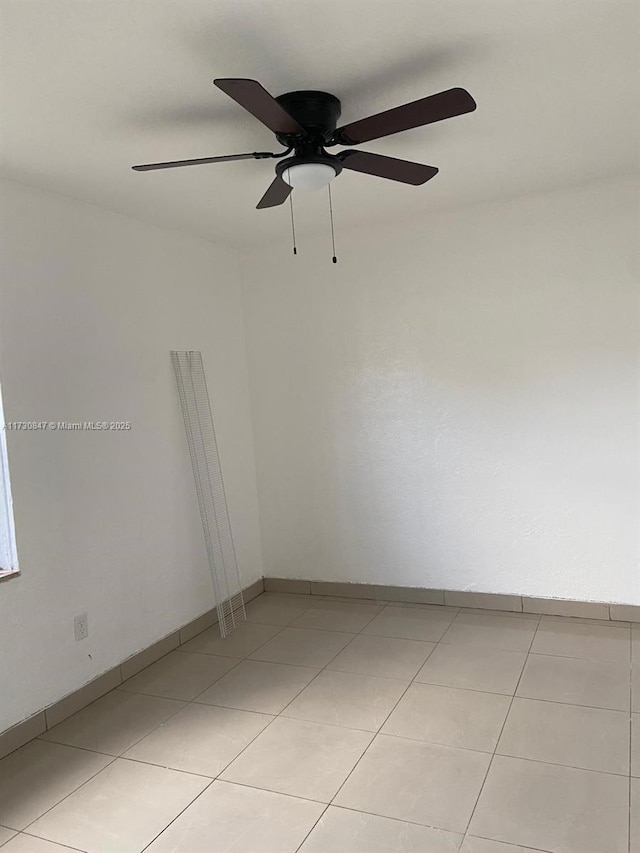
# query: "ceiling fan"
{"type": "Point", "coordinates": [305, 123]}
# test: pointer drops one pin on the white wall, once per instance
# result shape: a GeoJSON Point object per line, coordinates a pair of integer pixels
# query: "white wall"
{"type": "Point", "coordinates": [455, 404]}
{"type": "Point", "coordinates": [107, 523]}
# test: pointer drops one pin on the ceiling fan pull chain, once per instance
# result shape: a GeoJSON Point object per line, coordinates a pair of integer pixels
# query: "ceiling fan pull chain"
{"type": "Point", "coordinates": [333, 238]}
{"type": "Point", "coordinates": [293, 227]}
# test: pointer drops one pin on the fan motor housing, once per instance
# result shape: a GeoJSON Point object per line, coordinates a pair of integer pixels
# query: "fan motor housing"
{"type": "Point", "coordinates": [317, 112]}
{"type": "Point", "coordinates": [309, 154]}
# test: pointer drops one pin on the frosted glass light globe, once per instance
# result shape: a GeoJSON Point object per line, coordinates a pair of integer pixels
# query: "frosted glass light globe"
{"type": "Point", "coordinates": [309, 176]}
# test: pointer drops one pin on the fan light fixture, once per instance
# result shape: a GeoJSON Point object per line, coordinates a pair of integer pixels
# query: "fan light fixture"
{"type": "Point", "coordinates": [305, 123]}
{"type": "Point", "coordinates": [309, 176]}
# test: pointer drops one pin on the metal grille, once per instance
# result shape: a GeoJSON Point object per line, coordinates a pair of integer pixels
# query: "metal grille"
{"type": "Point", "coordinates": [212, 500]}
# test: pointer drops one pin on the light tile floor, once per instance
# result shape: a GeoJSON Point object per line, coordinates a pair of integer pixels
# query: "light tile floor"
{"type": "Point", "coordinates": [332, 726]}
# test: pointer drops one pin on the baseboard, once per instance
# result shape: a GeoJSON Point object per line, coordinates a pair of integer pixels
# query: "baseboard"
{"type": "Point", "coordinates": [47, 718]}
{"type": "Point", "coordinates": [603, 611]}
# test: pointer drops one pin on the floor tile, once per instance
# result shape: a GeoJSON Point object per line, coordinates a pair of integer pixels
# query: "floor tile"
{"type": "Point", "coordinates": [483, 845]}
{"type": "Point", "coordinates": [230, 818]}
{"type": "Point", "coordinates": [470, 667]}
{"type": "Point", "coordinates": [635, 641]}
{"type": "Point", "coordinates": [580, 640]}
{"type": "Point", "coordinates": [588, 738]}
{"type": "Point", "coordinates": [6, 834]}
{"type": "Point", "coordinates": [553, 808]}
{"type": "Point", "coordinates": [492, 632]}
{"type": "Point", "coordinates": [449, 716]}
{"type": "Point", "coordinates": [635, 816]}
{"type": "Point", "coordinates": [113, 723]}
{"type": "Point", "coordinates": [338, 616]}
{"type": "Point", "coordinates": [38, 775]}
{"type": "Point", "coordinates": [303, 646]}
{"type": "Point", "coordinates": [200, 739]}
{"type": "Point", "coordinates": [347, 699]}
{"type": "Point", "coordinates": [384, 656]}
{"type": "Point", "coordinates": [277, 609]}
{"type": "Point", "coordinates": [599, 684]}
{"type": "Point", "coordinates": [635, 685]}
{"type": "Point", "coordinates": [121, 809]}
{"type": "Point", "coordinates": [422, 783]}
{"type": "Point", "coordinates": [340, 830]}
{"type": "Point", "coordinates": [257, 685]}
{"type": "Point", "coordinates": [410, 623]}
{"type": "Point", "coordinates": [29, 844]}
{"type": "Point", "coordinates": [179, 675]}
{"type": "Point", "coordinates": [635, 745]}
{"type": "Point", "coordinates": [303, 759]}
{"type": "Point", "coordinates": [240, 643]}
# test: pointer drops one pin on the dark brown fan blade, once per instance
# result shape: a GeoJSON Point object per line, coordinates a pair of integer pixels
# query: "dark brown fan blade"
{"type": "Point", "coordinates": [256, 100]}
{"type": "Point", "coordinates": [447, 104]}
{"type": "Point", "coordinates": [226, 158]}
{"type": "Point", "coordinates": [277, 193]}
{"type": "Point", "coordinates": [387, 167]}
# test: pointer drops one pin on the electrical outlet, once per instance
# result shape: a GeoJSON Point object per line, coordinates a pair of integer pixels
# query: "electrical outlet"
{"type": "Point", "coordinates": [81, 625]}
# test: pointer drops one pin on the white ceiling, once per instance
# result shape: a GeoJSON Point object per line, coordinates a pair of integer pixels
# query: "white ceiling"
{"type": "Point", "coordinates": [90, 87]}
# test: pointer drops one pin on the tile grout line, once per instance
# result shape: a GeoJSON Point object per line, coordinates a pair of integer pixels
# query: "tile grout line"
{"type": "Point", "coordinates": [326, 666]}
{"type": "Point", "coordinates": [180, 813]}
{"type": "Point", "coordinates": [380, 727]}
{"type": "Point", "coordinates": [380, 609]}
{"type": "Point", "coordinates": [39, 838]}
{"type": "Point", "coordinates": [125, 757]}
{"type": "Point", "coordinates": [322, 669]}
{"type": "Point", "coordinates": [185, 703]}
{"type": "Point", "coordinates": [66, 796]}
{"type": "Point", "coordinates": [413, 681]}
{"type": "Point", "coordinates": [258, 734]}
{"type": "Point", "coordinates": [120, 756]}
{"type": "Point", "coordinates": [484, 781]}
{"type": "Point", "coordinates": [415, 823]}
{"type": "Point", "coordinates": [375, 734]}
{"type": "Point", "coordinates": [147, 734]}
{"type": "Point", "coordinates": [270, 723]}
{"type": "Point", "coordinates": [508, 844]}
{"type": "Point", "coordinates": [343, 599]}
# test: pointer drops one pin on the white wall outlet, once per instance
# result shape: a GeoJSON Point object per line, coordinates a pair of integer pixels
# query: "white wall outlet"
{"type": "Point", "coordinates": [81, 625]}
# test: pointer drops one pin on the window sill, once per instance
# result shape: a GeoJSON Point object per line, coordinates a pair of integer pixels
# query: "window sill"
{"type": "Point", "coordinates": [8, 573]}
